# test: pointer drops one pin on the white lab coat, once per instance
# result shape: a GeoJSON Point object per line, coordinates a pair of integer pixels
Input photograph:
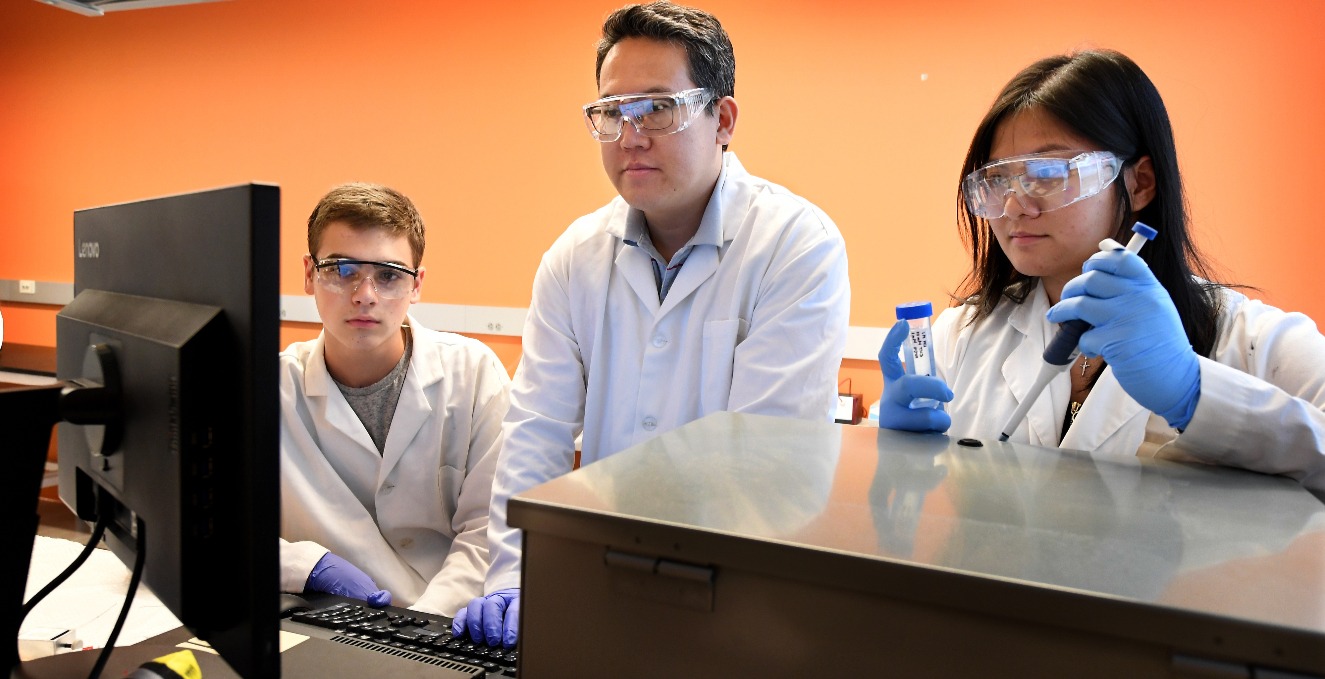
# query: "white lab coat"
{"type": "Point", "coordinates": [414, 517]}
{"type": "Point", "coordinates": [756, 324]}
{"type": "Point", "coordinates": [1262, 391]}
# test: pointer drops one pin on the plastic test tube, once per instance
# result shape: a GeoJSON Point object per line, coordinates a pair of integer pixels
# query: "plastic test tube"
{"type": "Point", "coordinates": [918, 351]}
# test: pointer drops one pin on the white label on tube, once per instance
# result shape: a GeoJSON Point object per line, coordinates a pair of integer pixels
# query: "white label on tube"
{"type": "Point", "coordinates": [920, 359]}
{"type": "Point", "coordinates": [919, 347]}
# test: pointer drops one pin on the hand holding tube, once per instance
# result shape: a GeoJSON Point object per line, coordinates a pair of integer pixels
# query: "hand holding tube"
{"type": "Point", "coordinates": [1136, 328]}
{"type": "Point", "coordinates": [899, 389]}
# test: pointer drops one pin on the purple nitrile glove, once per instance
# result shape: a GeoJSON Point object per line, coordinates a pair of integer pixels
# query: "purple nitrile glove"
{"type": "Point", "coordinates": [335, 575]}
{"type": "Point", "coordinates": [493, 619]}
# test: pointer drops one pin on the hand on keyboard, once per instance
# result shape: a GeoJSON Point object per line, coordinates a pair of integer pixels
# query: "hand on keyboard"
{"type": "Point", "coordinates": [335, 575]}
{"type": "Point", "coordinates": [493, 619]}
{"type": "Point", "coordinates": [408, 634]}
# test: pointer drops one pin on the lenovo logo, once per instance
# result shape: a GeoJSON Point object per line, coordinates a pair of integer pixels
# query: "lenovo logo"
{"type": "Point", "coordinates": [89, 250]}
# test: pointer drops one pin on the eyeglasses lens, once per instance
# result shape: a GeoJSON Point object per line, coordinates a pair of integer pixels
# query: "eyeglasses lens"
{"type": "Point", "coordinates": [648, 115]}
{"type": "Point", "coordinates": [1043, 183]}
{"type": "Point", "coordinates": [387, 282]}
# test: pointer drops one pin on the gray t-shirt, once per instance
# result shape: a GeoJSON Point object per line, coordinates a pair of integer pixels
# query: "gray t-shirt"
{"type": "Point", "coordinates": [375, 404]}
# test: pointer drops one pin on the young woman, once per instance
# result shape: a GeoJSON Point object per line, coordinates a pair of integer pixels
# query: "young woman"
{"type": "Point", "coordinates": [1077, 149]}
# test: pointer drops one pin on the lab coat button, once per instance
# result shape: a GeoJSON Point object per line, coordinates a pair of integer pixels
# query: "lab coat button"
{"type": "Point", "coordinates": [407, 543]}
{"type": "Point", "coordinates": [650, 424]}
{"type": "Point", "coordinates": [659, 341]}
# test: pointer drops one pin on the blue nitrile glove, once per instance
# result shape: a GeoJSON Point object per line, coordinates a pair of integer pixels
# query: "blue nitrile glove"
{"type": "Point", "coordinates": [335, 575]}
{"type": "Point", "coordinates": [1137, 330]}
{"type": "Point", "coordinates": [895, 411]}
{"type": "Point", "coordinates": [493, 619]}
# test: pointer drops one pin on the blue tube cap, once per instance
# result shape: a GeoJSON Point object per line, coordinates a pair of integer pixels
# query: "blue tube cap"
{"type": "Point", "coordinates": [1145, 230]}
{"type": "Point", "coordinates": [913, 310]}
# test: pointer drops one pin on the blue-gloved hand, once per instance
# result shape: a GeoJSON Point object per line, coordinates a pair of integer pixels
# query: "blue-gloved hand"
{"type": "Point", "coordinates": [493, 619]}
{"type": "Point", "coordinates": [335, 575]}
{"type": "Point", "coordinates": [1137, 330]}
{"type": "Point", "coordinates": [895, 411]}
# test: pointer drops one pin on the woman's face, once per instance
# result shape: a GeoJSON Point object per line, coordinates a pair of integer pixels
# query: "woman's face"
{"type": "Point", "coordinates": [1051, 245]}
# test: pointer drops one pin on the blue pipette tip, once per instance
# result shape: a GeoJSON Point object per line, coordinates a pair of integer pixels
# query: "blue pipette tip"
{"type": "Point", "coordinates": [1145, 230]}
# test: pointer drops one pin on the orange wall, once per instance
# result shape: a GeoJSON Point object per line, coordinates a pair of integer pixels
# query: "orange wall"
{"type": "Point", "coordinates": [472, 109]}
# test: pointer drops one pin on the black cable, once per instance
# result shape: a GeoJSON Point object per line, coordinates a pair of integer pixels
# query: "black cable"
{"type": "Point", "coordinates": [128, 601]}
{"type": "Point", "coordinates": [97, 530]}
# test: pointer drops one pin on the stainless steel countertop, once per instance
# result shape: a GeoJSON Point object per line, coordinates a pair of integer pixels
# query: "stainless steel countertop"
{"type": "Point", "coordinates": [1191, 538]}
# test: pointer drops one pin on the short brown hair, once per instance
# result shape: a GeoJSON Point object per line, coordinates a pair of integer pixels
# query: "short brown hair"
{"type": "Point", "coordinates": [367, 206]}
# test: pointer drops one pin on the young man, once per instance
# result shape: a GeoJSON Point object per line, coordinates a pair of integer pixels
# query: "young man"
{"type": "Point", "coordinates": [390, 431]}
{"type": "Point", "coordinates": [701, 288]}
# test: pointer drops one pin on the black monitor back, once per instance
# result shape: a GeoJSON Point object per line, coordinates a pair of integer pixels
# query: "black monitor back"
{"type": "Point", "coordinates": [182, 294]}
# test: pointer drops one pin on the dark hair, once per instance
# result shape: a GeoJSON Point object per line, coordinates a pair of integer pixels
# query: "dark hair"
{"type": "Point", "coordinates": [1105, 97]}
{"type": "Point", "coordinates": [367, 206]}
{"type": "Point", "coordinates": [712, 63]}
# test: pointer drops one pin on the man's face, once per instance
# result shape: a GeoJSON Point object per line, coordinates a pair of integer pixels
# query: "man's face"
{"type": "Point", "coordinates": [360, 320]}
{"type": "Point", "coordinates": [665, 177]}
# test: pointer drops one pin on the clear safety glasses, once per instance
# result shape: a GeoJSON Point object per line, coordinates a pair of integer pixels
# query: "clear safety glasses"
{"type": "Point", "coordinates": [1042, 181]}
{"type": "Point", "coordinates": [653, 115]}
{"type": "Point", "coordinates": [390, 280]}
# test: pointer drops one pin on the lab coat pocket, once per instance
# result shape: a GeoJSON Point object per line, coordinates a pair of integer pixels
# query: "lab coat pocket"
{"type": "Point", "coordinates": [717, 363]}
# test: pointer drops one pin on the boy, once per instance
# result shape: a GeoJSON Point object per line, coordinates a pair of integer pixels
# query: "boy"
{"type": "Point", "coordinates": [390, 431]}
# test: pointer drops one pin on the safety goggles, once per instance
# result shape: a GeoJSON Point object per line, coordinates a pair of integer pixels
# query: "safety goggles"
{"type": "Point", "coordinates": [389, 280]}
{"type": "Point", "coordinates": [1042, 181]}
{"type": "Point", "coordinates": [653, 115]}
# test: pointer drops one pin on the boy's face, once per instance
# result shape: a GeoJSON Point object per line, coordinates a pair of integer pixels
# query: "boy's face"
{"type": "Point", "coordinates": [359, 320]}
{"type": "Point", "coordinates": [660, 176]}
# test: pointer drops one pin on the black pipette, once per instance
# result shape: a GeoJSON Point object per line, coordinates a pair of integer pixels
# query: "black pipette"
{"type": "Point", "coordinates": [1062, 350]}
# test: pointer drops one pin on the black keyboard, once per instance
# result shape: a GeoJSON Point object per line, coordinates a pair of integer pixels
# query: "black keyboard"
{"type": "Point", "coordinates": [393, 630]}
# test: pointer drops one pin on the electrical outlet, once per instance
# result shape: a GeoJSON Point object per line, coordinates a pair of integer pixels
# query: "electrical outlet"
{"type": "Point", "coordinates": [27, 287]}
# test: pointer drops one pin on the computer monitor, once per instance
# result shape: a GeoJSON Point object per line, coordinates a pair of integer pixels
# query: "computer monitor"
{"type": "Point", "coordinates": [176, 318]}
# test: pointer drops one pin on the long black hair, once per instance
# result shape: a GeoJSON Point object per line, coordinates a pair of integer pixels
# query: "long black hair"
{"type": "Point", "coordinates": [1105, 97]}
